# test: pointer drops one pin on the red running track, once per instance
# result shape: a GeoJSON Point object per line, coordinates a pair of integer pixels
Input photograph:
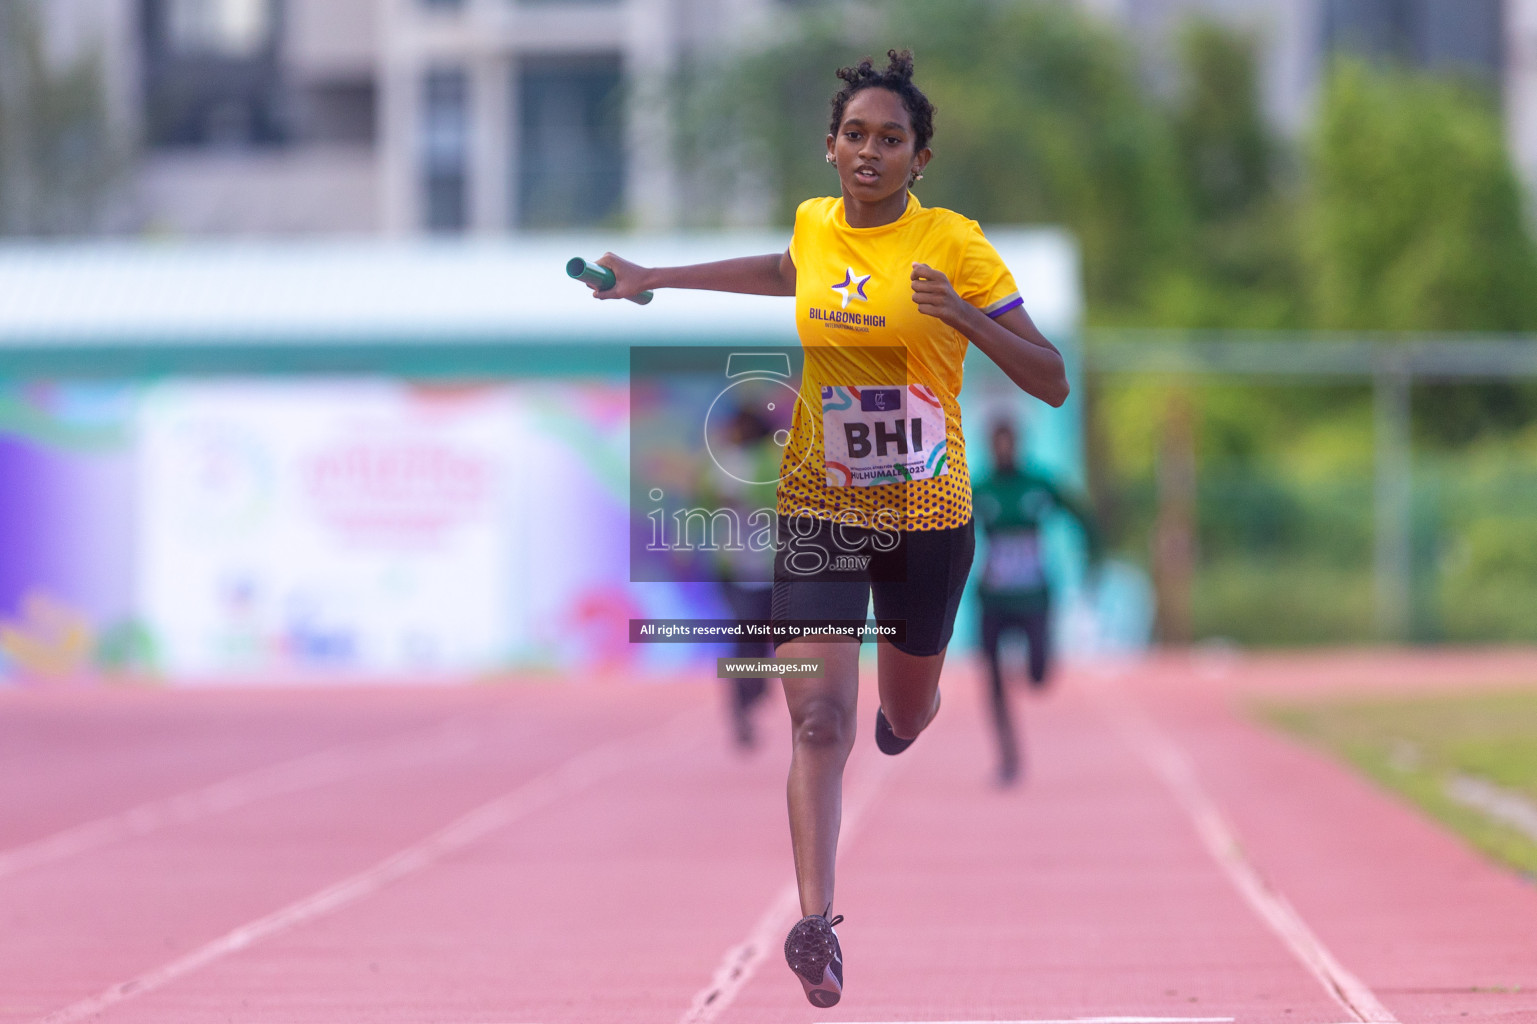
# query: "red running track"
{"type": "Point", "coordinates": [541, 854]}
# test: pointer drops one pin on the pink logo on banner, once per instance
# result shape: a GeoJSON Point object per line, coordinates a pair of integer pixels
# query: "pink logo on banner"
{"type": "Point", "coordinates": [400, 491]}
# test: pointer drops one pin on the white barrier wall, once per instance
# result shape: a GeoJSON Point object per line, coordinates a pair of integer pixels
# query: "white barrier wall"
{"type": "Point", "coordinates": [235, 526]}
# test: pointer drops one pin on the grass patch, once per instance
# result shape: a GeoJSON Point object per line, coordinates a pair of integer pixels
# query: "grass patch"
{"type": "Point", "coordinates": [1256, 601]}
{"type": "Point", "coordinates": [1418, 746]}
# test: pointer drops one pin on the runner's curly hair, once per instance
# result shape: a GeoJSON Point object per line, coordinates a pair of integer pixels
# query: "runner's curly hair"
{"type": "Point", "coordinates": [898, 77]}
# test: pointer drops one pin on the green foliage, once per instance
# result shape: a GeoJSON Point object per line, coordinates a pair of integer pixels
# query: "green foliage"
{"type": "Point", "coordinates": [1240, 268]}
{"type": "Point", "coordinates": [1285, 518]}
{"type": "Point", "coordinates": [1226, 153]}
{"type": "Point", "coordinates": [1281, 600]}
{"type": "Point", "coordinates": [1399, 211]}
{"type": "Point", "coordinates": [56, 158]}
{"type": "Point", "coordinates": [1482, 575]}
{"type": "Point", "coordinates": [750, 128]}
{"type": "Point", "coordinates": [1413, 216]}
{"type": "Point", "coordinates": [1405, 214]}
{"type": "Point", "coordinates": [1041, 120]}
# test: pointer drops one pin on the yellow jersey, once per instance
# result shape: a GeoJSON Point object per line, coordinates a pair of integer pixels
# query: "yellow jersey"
{"type": "Point", "coordinates": [876, 439]}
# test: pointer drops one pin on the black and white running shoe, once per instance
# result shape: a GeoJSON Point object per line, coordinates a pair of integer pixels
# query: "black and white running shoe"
{"type": "Point", "coordinates": [888, 741]}
{"type": "Point", "coordinates": [813, 953]}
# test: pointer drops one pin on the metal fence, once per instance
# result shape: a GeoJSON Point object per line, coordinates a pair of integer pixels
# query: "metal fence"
{"type": "Point", "coordinates": [1390, 364]}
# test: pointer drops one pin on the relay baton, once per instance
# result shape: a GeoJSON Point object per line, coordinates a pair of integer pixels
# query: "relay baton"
{"type": "Point", "coordinates": [596, 273]}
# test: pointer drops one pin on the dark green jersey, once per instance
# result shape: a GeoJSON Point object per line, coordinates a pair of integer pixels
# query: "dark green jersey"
{"type": "Point", "coordinates": [1010, 507]}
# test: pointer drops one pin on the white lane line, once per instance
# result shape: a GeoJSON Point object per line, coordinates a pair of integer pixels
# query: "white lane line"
{"type": "Point", "coordinates": [1177, 770]}
{"type": "Point", "coordinates": [1506, 806]}
{"type": "Point", "coordinates": [1066, 1020]}
{"type": "Point", "coordinates": [306, 772]}
{"type": "Point", "coordinates": [742, 960]}
{"type": "Point", "coordinates": [566, 780]}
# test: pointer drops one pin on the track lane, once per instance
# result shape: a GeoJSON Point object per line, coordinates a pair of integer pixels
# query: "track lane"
{"type": "Point", "coordinates": [564, 781]}
{"type": "Point", "coordinates": [1439, 933]}
{"type": "Point", "coordinates": [611, 906]}
{"type": "Point", "coordinates": [92, 921]}
{"type": "Point", "coordinates": [1086, 894]}
{"type": "Point", "coordinates": [70, 757]}
{"type": "Point", "coordinates": [309, 771]}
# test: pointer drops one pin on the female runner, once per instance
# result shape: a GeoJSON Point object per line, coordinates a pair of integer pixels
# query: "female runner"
{"type": "Point", "coordinates": [874, 496]}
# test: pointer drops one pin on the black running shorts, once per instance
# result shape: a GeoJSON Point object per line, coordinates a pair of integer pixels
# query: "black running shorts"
{"type": "Point", "coordinates": [826, 571]}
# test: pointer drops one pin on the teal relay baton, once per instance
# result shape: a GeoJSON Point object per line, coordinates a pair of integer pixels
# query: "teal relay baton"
{"type": "Point", "coordinates": [595, 273]}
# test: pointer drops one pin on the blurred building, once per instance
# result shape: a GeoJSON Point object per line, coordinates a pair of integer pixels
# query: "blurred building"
{"type": "Point", "coordinates": [276, 117]}
{"type": "Point", "coordinates": [1521, 84]}
{"type": "Point", "coordinates": [1298, 36]}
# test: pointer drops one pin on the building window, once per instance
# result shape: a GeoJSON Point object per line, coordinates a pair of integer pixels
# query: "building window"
{"type": "Point", "coordinates": [230, 28]}
{"type": "Point", "coordinates": [212, 75]}
{"type": "Point", "coordinates": [571, 162]}
{"type": "Point", "coordinates": [337, 112]}
{"type": "Point", "coordinates": [446, 149]}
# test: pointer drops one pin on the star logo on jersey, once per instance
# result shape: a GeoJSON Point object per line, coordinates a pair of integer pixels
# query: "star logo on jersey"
{"type": "Point", "coordinates": [851, 286]}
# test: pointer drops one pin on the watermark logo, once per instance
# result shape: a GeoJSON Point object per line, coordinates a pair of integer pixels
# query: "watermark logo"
{"type": "Point", "coordinates": [716, 433]}
{"type": "Point", "coordinates": [755, 410]}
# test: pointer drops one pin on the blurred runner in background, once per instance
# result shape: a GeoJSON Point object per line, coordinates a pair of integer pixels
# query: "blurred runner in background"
{"type": "Point", "coordinates": [1010, 506]}
{"type": "Point", "coordinates": [746, 577]}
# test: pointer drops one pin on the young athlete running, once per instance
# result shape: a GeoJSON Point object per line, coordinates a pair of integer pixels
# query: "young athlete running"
{"type": "Point", "coordinates": [874, 494]}
{"type": "Point", "coordinates": [1015, 593]}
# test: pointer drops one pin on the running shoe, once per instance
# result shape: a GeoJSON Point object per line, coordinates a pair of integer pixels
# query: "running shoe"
{"type": "Point", "coordinates": [813, 953]}
{"type": "Point", "coordinates": [888, 741]}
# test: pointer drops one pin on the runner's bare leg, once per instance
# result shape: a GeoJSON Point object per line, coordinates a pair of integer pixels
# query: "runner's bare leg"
{"type": "Point", "coordinates": [822, 734]}
{"type": "Point", "coordinates": [909, 688]}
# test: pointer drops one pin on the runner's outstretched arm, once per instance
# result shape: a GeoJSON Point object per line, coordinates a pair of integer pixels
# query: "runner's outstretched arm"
{"type": "Point", "coordinates": [1075, 506]}
{"type": "Point", "coordinates": [1012, 341]}
{"type": "Point", "coordinates": [772, 274]}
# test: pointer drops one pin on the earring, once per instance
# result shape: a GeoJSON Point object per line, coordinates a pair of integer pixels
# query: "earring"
{"type": "Point", "coordinates": [831, 160]}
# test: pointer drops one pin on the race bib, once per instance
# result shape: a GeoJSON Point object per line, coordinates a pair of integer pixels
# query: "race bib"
{"type": "Point", "coordinates": [882, 434]}
{"type": "Point", "coordinates": [1013, 562]}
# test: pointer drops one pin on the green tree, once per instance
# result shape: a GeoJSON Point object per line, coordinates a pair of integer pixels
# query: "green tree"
{"type": "Point", "coordinates": [1413, 217]}
{"type": "Point", "coordinates": [750, 123]}
{"type": "Point", "coordinates": [1240, 268]}
{"type": "Point", "coordinates": [1041, 119]}
{"type": "Point", "coordinates": [57, 164]}
{"type": "Point", "coordinates": [1227, 155]}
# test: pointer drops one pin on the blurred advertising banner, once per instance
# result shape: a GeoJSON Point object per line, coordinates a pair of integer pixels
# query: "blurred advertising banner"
{"type": "Point", "coordinates": [352, 526]}
{"type": "Point", "coordinates": [244, 530]}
